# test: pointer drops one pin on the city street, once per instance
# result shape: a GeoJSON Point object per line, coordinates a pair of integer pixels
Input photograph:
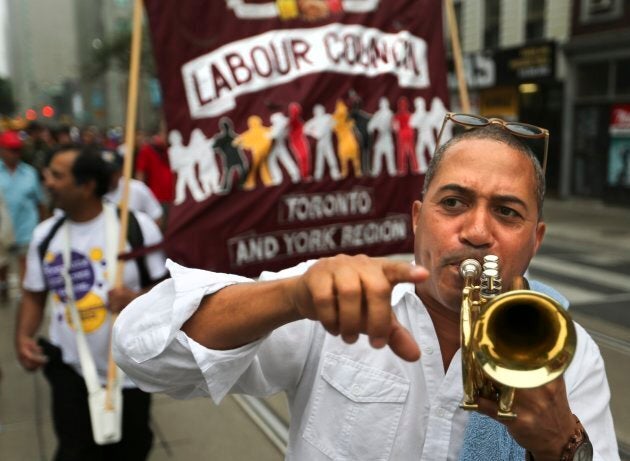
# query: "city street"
{"type": "Point", "coordinates": [586, 255]}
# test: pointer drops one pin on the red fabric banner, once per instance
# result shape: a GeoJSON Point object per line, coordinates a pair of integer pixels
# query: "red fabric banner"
{"type": "Point", "coordinates": [296, 128]}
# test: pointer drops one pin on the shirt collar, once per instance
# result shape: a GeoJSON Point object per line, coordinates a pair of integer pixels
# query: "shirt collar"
{"type": "Point", "coordinates": [401, 290]}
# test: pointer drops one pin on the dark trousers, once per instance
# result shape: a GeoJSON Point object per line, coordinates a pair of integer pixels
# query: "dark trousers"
{"type": "Point", "coordinates": [71, 417]}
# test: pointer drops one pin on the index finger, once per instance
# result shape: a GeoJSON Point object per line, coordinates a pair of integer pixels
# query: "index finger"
{"type": "Point", "coordinates": [402, 272]}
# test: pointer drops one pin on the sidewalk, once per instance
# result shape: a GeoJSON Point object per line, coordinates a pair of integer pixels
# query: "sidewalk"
{"type": "Point", "coordinates": [589, 222]}
{"type": "Point", "coordinates": [197, 429]}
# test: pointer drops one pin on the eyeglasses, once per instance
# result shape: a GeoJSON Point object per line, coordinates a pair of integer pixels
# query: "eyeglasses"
{"type": "Point", "coordinates": [523, 130]}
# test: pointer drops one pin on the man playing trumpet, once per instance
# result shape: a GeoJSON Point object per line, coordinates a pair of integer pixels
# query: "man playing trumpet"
{"type": "Point", "coordinates": [319, 330]}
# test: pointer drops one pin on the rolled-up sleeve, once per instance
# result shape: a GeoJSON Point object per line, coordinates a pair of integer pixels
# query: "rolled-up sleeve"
{"type": "Point", "coordinates": [150, 347]}
{"type": "Point", "coordinates": [148, 343]}
{"type": "Point", "coordinates": [589, 397]}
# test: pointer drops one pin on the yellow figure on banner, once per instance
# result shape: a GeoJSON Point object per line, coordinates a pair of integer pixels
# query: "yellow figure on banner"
{"type": "Point", "coordinates": [347, 144]}
{"type": "Point", "coordinates": [257, 140]}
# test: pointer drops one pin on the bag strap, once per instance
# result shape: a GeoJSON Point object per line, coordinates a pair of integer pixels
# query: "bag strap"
{"type": "Point", "coordinates": [85, 357]}
{"type": "Point", "coordinates": [136, 241]}
{"type": "Point", "coordinates": [45, 243]}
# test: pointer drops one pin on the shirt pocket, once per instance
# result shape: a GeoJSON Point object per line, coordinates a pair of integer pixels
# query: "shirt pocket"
{"type": "Point", "coordinates": [355, 410]}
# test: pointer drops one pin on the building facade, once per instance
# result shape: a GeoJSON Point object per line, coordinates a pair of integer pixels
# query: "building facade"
{"type": "Point", "coordinates": [53, 46]}
{"type": "Point", "coordinates": [596, 144]}
{"type": "Point", "coordinates": [514, 65]}
{"type": "Point", "coordinates": [563, 65]}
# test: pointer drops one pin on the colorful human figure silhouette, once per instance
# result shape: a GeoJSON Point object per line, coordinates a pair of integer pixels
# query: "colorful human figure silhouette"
{"type": "Point", "coordinates": [436, 118]}
{"type": "Point", "coordinates": [404, 138]}
{"type": "Point", "coordinates": [183, 161]}
{"type": "Point", "coordinates": [279, 154]}
{"type": "Point", "coordinates": [361, 120]}
{"type": "Point", "coordinates": [347, 145]}
{"type": "Point", "coordinates": [425, 143]}
{"type": "Point", "coordinates": [381, 122]}
{"type": "Point", "coordinates": [209, 172]}
{"type": "Point", "coordinates": [297, 140]}
{"type": "Point", "coordinates": [234, 159]}
{"type": "Point", "coordinates": [257, 140]}
{"type": "Point", "coordinates": [320, 128]}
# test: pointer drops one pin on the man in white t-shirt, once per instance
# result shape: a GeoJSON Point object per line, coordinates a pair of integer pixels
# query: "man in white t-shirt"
{"type": "Point", "coordinates": [140, 197]}
{"type": "Point", "coordinates": [86, 231]}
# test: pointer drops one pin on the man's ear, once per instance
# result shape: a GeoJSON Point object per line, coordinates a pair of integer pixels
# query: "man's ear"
{"type": "Point", "coordinates": [541, 228]}
{"type": "Point", "coordinates": [89, 187]}
{"type": "Point", "coordinates": [415, 214]}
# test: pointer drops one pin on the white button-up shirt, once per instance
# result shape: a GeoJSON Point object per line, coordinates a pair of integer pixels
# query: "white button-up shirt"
{"type": "Point", "coordinates": [347, 402]}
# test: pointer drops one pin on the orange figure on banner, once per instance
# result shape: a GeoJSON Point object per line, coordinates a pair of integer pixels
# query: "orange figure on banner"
{"type": "Point", "coordinates": [258, 141]}
{"type": "Point", "coordinates": [404, 138]}
{"type": "Point", "coordinates": [347, 144]}
{"type": "Point", "coordinates": [320, 128]}
{"type": "Point", "coordinates": [298, 142]}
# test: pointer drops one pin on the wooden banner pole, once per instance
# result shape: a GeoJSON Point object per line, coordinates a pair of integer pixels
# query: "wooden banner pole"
{"type": "Point", "coordinates": [130, 136]}
{"type": "Point", "coordinates": [457, 56]}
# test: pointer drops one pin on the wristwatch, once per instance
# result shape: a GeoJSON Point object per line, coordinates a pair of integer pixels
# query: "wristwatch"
{"type": "Point", "coordinates": [579, 447]}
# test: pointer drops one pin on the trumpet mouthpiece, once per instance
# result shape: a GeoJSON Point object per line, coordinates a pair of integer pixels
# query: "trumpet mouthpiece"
{"type": "Point", "coordinates": [470, 268]}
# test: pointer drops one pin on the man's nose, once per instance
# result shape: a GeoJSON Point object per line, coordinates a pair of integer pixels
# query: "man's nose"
{"type": "Point", "coordinates": [476, 229]}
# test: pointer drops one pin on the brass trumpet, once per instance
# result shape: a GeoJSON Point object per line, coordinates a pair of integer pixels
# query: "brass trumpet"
{"type": "Point", "coordinates": [517, 339]}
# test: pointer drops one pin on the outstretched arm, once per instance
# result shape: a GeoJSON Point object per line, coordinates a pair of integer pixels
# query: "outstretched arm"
{"type": "Point", "coordinates": [349, 295]}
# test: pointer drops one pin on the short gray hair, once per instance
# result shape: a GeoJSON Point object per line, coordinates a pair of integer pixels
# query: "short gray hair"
{"type": "Point", "coordinates": [494, 133]}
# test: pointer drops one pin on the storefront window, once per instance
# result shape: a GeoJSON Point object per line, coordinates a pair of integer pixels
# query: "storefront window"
{"type": "Point", "coordinates": [592, 79]}
{"type": "Point", "coordinates": [491, 28]}
{"type": "Point", "coordinates": [622, 77]}
{"type": "Point", "coordinates": [535, 23]}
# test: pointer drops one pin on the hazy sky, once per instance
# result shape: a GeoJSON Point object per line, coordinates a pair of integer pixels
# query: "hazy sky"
{"type": "Point", "coordinates": [4, 58]}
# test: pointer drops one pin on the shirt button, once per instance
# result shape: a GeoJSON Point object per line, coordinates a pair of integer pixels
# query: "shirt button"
{"type": "Point", "coordinates": [429, 350]}
{"type": "Point", "coordinates": [440, 412]}
{"type": "Point", "coordinates": [356, 389]}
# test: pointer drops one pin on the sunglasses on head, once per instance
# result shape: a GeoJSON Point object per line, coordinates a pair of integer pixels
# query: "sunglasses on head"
{"type": "Point", "coordinates": [523, 130]}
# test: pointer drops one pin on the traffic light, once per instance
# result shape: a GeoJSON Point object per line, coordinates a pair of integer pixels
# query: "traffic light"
{"type": "Point", "coordinates": [48, 111]}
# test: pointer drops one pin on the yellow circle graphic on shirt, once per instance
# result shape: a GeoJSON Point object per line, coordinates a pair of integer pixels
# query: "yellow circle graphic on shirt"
{"type": "Point", "coordinates": [96, 254]}
{"type": "Point", "coordinates": [92, 311]}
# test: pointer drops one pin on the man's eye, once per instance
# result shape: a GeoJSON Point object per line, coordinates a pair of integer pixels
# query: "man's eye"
{"type": "Point", "coordinates": [508, 212]}
{"type": "Point", "coordinates": [452, 202]}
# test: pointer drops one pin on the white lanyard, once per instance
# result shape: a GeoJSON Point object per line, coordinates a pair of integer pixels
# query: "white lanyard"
{"type": "Point", "coordinates": [111, 237]}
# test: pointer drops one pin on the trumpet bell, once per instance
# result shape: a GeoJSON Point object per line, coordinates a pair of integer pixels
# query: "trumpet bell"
{"type": "Point", "coordinates": [524, 339]}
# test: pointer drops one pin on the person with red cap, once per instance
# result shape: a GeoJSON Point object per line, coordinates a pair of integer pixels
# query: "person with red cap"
{"type": "Point", "coordinates": [23, 193]}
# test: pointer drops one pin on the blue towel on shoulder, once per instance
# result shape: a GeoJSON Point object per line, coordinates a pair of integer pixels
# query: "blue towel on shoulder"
{"type": "Point", "coordinates": [488, 440]}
